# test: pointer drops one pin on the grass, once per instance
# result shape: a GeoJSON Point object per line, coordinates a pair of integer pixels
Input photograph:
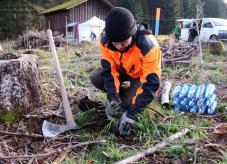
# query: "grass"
{"type": "Point", "coordinates": [224, 159]}
{"type": "Point", "coordinates": [113, 122]}
{"type": "Point", "coordinates": [83, 117]}
{"type": "Point", "coordinates": [214, 67]}
{"type": "Point", "coordinates": [71, 65]}
{"type": "Point", "coordinates": [167, 70]}
{"type": "Point", "coordinates": [108, 153]}
{"type": "Point", "coordinates": [175, 151]}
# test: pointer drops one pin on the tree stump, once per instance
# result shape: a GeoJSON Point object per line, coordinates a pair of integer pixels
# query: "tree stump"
{"type": "Point", "coordinates": [1, 49]}
{"type": "Point", "coordinates": [216, 47]}
{"type": "Point", "coordinates": [20, 87]}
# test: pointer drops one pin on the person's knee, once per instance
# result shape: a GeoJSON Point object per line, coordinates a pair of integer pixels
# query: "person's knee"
{"type": "Point", "coordinates": [95, 75]}
{"type": "Point", "coordinates": [92, 77]}
{"type": "Point", "coordinates": [97, 79]}
{"type": "Point", "coordinates": [126, 101]}
{"type": "Point", "coordinates": [125, 104]}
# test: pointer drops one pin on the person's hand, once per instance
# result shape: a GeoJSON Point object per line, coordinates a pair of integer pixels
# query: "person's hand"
{"type": "Point", "coordinates": [113, 107]}
{"type": "Point", "coordinates": [125, 124]}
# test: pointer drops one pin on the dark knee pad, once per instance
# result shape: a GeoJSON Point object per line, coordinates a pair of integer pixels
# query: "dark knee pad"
{"type": "Point", "coordinates": [97, 79]}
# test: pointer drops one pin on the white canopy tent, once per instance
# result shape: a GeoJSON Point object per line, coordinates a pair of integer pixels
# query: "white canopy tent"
{"type": "Point", "coordinates": [93, 25]}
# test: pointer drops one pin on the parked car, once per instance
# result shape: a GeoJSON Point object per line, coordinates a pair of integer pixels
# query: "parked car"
{"type": "Point", "coordinates": [210, 28]}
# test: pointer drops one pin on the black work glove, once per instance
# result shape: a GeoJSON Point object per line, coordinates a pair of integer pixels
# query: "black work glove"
{"type": "Point", "coordinates": [125, 124]}
{"type": "Point", "coordinates": [113, 107]}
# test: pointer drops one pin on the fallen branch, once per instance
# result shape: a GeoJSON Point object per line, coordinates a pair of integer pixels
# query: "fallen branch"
{"type": "Point", "coordinates": [31, 160]}
{"type": "Point", "coordinates": [183, 62]}
{"type": "Point", "coordinates": [179, 58]}
{"type": "Point", "coordinates": [215, 147]}
{"type": "Point", "coordinates": [61, 157]}
{"type": "Point", "coordinates": [54, 151]}
{"type": "Point", "coordinates": [167, 118]}
{"type": "Point", "coordinates": [159, 113]}
{"type": "Point", "coordinates": [224, 97]}
{"type": "Point", "coordinates": [158, 146]}
{"type": "Point", "coordinates": [28, 116]}
{"type": "Point", "coordinates": [22, 134]}
{"type": "Point", "coordinates": [44, 115]}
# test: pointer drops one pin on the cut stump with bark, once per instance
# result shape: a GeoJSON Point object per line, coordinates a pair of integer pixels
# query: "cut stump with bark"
{"type": "Point", "coordinates": [1, 49]}
{"type": "Point", "coordinates": [20, 87]}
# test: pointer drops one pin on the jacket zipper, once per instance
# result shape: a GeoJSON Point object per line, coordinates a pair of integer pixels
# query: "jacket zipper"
{"type": "Point", "coordinates": [121, 63]}
{"type": "Point", "coordinates": [121, 55]}
{"type": "Point", "coordinates": [132, 69]}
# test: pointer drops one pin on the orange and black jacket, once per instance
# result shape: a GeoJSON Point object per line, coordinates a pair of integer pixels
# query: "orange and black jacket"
{"type": "Point", "coordinates": [141, 60]}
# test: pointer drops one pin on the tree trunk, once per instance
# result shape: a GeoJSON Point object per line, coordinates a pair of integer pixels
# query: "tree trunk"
{"type": "Point", "coordinates": [20, 88]}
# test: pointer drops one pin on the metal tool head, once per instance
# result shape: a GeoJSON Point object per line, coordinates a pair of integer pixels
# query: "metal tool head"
{"type": "Point", "coordinates": [51, 130]}
{"type": "Point", "coordinates": [125, 84]}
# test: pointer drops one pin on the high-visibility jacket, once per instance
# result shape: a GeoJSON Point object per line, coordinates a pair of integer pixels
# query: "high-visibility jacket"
{"type": "Point", "coordinates": [141, 60]}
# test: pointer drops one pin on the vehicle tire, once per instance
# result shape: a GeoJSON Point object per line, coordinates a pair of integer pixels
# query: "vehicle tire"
{"type": "Point", "coordinates": [213, 37]}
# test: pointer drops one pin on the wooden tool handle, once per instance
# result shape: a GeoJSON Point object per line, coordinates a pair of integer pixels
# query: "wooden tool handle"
{"type": "Point", "coordinates": [68, 113]}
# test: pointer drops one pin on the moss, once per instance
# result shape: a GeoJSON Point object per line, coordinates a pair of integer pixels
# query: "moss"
{"type": "Point", "coordinates": [102, 96]}
{"type": "Point", "coordinates": [167, 70]}
{"type": "Point", "coordinates": [163, 38]}
{"type": "Point", "coordinates": [8, 117]}
{"type": "Point", "coordinates": [44, 95]}
{"type": "Point", "coordinates": [173, 128]}
{"type": "Point", "coordinates": [216, 48]}
{"type": "Point", "coordinates": [62, 6]}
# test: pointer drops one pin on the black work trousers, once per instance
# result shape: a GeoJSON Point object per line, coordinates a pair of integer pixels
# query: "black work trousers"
{"type": "Point", "coordinates": [126, 94]}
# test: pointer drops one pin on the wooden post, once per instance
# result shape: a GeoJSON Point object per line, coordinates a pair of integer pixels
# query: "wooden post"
{"type": "Point", "coordinates": [157, 23]}
{"type": "Point", "coordinates": [49, 24]}
{"type": "Point", "coordinates": [66, 34]}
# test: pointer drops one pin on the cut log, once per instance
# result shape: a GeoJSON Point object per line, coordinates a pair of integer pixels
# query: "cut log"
{"type": "Point", "coordinates": [20, 87]}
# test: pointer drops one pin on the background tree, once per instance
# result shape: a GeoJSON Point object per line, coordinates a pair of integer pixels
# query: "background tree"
{"type": "Point", "coordinates": [215, 8]}
{"type": "Point", "coordinates": [18, 15]}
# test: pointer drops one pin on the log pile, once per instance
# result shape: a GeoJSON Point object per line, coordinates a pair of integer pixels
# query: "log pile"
{"type": "Point", "coordinates": [32, 39]}
{"type": "Point", "coordinates": [181, 52]}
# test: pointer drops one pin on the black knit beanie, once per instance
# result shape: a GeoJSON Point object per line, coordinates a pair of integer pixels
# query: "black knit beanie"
{"type": "Point", "coordinates": [119, 24]}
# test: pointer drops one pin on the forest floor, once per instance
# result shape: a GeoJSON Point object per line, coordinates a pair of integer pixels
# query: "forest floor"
{"type": "Point", "coordinates": [77, 63]}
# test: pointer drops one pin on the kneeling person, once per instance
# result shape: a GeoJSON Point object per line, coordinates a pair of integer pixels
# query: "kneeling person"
{"type": "Point", "coordinates": [129, 53]}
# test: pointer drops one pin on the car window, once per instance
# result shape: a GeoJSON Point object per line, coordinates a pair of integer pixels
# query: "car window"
{"type": "Point", "coordinates": [187, 24]}
{"type": "Point", "coordinates": [207, 25]}
{"type": "Point", "coordinates": [70, 29]}
{"type": "Point", "coordinates": [219, 22]}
